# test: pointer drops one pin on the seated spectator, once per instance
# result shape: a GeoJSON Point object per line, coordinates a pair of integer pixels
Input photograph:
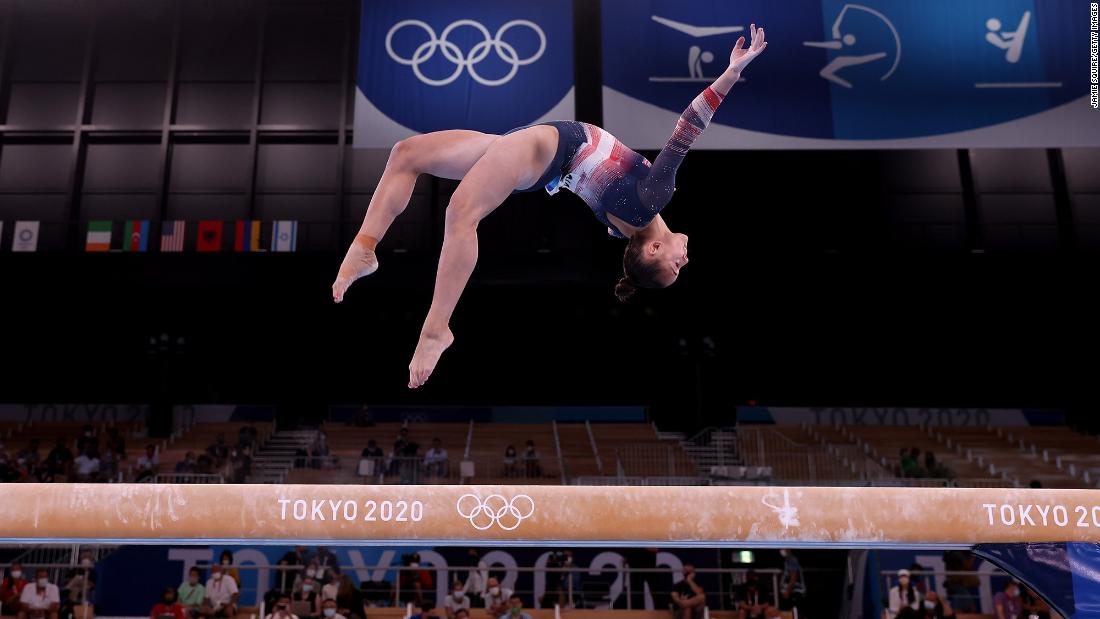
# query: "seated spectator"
{"type": "Point", "coordinates": [327, 565]}
{"type": "Point", "coordinates": [903, 595]}
{"type": "Point", "coordinates": [40, 599]}
{"type": "Point", "coordinates": [753, 601]}
{"type": "Point", "coordinates": [462, 613]}
{"type": "Point", "coordinates": [60, 457]}
{"type": "Point", "coordinates": [308, 598]}
{"type": "Point", "coordinates": [935, 608]}
{"type": "Point", "coordinates": [330, 589]}
{"type": "Point", "coordinates": [219, 451]}
{"type": "Point", "coordinates": [191, 593]}
{"type": "Point", "coordinates": [510, 461]}
{"type": "Point", "coordinates": [415, 581]}
{"type": "Point", "coordinates": [1007, 604]}
{"type": "Point", "coordinates": [281, 610]}
{"type": "Point", "coordinates": [329, 611]}
{"type": "Point", "coordinates": [319, 451]}
{"type": "Point", "coordinates": [86, 465]}
{"type": "Point", "coordinates": [29, 454]}
{"type": "Point", "coordinates": [515, 609]}
{"type": "Point", "coordinates": [80, 587]}
{"type": "Point", "coordinates": [87, 438]}
{"type": "Point", "coordinates": [531, 465]}
{"type": "Point", "coordinates": [221, 595]}
{"type": "Point", "coordinates": [226, 559]}
{"type": "Point", "coordinates": [496, 598]}
{"type": "Point", "coordinates": [188, 465]}
{"type": "Point", "coordinates": [688, 598]}
{"type": "Point", "coordinates": [168, 606]}
{"type": "Point", "coordinates": [11, 588]}
{"type": "Point", "coordinates": [792, 583]}
{"type": "Point", "coordinates": [1033, 604]}
{"type": "Point", "coordinates": [349, 600]}
{"type": "Point", "coordinates": [300, 577]}
{"type": "Point", "coordinates": [457, 600]}
{"type": "Point", "coordinates": [435, 460]}
{"type": "Point", "coordinates": [372, 451]}
{"type": "Point", "coordinates": [240, 464]}
{"type": "Point", "coordinates": [9, 469]}
{"type": "Point", "coordinates": [147, 464]}
{"type": "Point", "coordinates": [108, 465]}
{"type": "Point", "coordinates": [116, 443]}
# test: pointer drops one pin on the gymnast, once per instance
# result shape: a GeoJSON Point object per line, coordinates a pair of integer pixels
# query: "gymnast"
{"type": "Point", "coordinates": [624, 191]}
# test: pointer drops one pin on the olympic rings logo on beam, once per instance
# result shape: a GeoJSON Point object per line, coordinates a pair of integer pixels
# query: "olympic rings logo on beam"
{"type": "Point", "coordinates": [495, 509]}
{"type": "Point", "coordinates": [477, 53]}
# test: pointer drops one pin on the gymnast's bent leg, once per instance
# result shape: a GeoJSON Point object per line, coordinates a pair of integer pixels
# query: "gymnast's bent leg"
{"type": "Point", "coordinates": [445, 154]}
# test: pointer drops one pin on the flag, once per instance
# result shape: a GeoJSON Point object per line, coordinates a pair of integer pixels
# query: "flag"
{"type": "Point", "coordinates": [171, 236]}
{"type": "Point", "coordinates": [99, 236]}
{"type": "Point", "coordinates": [284, 235]}
{"type": "Point", "coordinates": [247, 236]}
{"type": "Point", "coordinates": [25, 237]}
{"type": "Point", "coordinates": [136, 235]}
{"type": "Point", "coordinates": [210, 236]}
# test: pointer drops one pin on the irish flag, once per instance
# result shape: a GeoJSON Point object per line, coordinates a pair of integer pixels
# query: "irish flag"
{"type": "Point", "coordinates": [136, 236]}
{"type": "Point", "coordinates": [99, 236]}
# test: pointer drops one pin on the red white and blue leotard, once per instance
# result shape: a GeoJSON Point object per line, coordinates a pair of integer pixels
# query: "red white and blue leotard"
{"type": "Point", "coordinates": [613, 179]}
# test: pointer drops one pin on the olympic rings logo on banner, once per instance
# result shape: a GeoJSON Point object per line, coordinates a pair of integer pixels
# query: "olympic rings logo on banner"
{"type": "Point", "coordinates": [477, 53]}
{"type": "Point", "coordinates": [495, 509]}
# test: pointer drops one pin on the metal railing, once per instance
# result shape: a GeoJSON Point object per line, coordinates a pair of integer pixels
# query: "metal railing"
{"type": "Point", "coordinates": [592, 442]}
{"type": "Point", "coordinates": [653, 460]}
{"type": "Point", "coordinates": [188, 478]}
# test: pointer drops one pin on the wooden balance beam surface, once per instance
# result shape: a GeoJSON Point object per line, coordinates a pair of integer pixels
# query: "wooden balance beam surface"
{"type": "Point", "coordinates": [593, 515]}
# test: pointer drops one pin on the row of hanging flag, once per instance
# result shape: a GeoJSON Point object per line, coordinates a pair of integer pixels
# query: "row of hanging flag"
{"type": "Point", "coordinates": [135, 236]}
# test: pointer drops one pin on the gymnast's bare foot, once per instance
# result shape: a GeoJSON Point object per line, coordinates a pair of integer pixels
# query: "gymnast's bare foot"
{"type": "Point", "coordinates": [428, 351]}
{"type": "Point", "coordinates": [360, 261]}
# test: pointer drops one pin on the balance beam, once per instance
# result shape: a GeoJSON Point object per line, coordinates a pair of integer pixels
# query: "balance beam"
{"type": "Point", "coordinates": [669, 516]}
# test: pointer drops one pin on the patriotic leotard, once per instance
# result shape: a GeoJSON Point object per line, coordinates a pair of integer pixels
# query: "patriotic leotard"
{"type": "Point", "coordinates": [613, 179]}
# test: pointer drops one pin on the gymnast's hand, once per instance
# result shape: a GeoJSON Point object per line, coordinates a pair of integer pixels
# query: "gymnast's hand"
{"type": "Point", "coordinates": [741, 57]}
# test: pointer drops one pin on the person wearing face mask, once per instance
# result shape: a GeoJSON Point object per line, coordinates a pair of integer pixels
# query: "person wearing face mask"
{"type": "Point", "coordinates": [934, 607]}
{"type": "Point", "coordinates": [307, 601]}
{"type": "Point", "coordinates": [168, 607]}
{"type": "Point", "coordinates": [281, 609]}
{"type": "Point", "coordinates": [310, 573]}
{"type": "Point", "coordinates": [476, 576]}
{"type": "Point", "coordinates": [191, 593]}
{"type": "Point", "coordinates": [329, 610]}
{"type": "Point", "coordinates": [40, 599]}
{"type": "Point", "coordinates": [80, 586]}
{"type": "Point", "coordinates": [531, 465]}
{"type": "Point", "coordinates": [688, 598]}
{"type": "Point", "coordinates": [11, 587]}
{"type": "Point", "coordinates": [496, 598]}
{"type": "Point", "coordinates": [226, 560]}
{"type": "Point", "coordinates": [753, 602]}
{"type": "Point", "coordinates": [515, 609]}
{"type": "Point", "coordinates": [1007, 604]}
{"type": "Point", "coordinates": [221, 594]}
{"type": "Point", "coordinates": [903, 595]}
{"type": "Point", "coordinates": [457, 600]}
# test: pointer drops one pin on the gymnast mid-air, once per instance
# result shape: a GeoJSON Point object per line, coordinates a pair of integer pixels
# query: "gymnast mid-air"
{"type": "Point", "coordinates": [625, 192]}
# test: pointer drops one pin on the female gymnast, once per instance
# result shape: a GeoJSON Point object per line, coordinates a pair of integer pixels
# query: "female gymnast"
{"type": "Point", "coordinates": [625, 192]}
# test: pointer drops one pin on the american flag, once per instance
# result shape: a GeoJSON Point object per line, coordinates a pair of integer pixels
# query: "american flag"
{"type": "Point", "coordinates": [171, 236]}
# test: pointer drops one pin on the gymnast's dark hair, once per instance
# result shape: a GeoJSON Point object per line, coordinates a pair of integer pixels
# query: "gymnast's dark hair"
{"type": "Point", "coordinates": [637, 272]}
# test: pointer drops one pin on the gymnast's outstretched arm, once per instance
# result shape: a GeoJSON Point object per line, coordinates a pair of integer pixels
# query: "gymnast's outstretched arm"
{"type": "Point", "coordinates": [656, 189]}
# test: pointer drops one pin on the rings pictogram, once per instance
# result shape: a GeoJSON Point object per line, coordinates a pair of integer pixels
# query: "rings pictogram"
{"type": "Point", "coordinates": [495, 509]}
{"type": "Point", "coordinates": [477, 53]}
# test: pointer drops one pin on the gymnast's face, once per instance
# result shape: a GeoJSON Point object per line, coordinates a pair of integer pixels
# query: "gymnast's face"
{"type": "Point", "coordinates": [669, 255]}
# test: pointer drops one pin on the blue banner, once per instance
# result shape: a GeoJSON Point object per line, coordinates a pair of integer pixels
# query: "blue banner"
{"type": "Point", "coordinates": [486, 65]}
{"type": "Point", "coordinates": [873, 74]}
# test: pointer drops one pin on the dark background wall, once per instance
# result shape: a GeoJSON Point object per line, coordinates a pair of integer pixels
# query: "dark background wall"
{"type": "Point", "coordinates": [936, 277]}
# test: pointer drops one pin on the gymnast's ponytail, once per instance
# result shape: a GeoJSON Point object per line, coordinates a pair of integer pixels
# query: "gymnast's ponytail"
{"type": "Point", "coordinates": [637, 271]}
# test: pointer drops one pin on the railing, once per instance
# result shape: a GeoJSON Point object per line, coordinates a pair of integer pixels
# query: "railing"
{"type": "Point", "coordinates": [187, 478]}
{"type": "Point", "coordinates": [592, 442]}
{"type": "Point", "coordinates": [415, 470]}
{"type": "Point", "coordinates": [598, 480]}
{"type": "Point", "coordinates": [557, 448]}
{"type": "Point", "coordinates": [648, 460]}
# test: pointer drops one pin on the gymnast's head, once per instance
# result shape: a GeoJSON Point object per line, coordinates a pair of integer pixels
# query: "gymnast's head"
{"type": "Point", "coordinates": [653, 259]}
